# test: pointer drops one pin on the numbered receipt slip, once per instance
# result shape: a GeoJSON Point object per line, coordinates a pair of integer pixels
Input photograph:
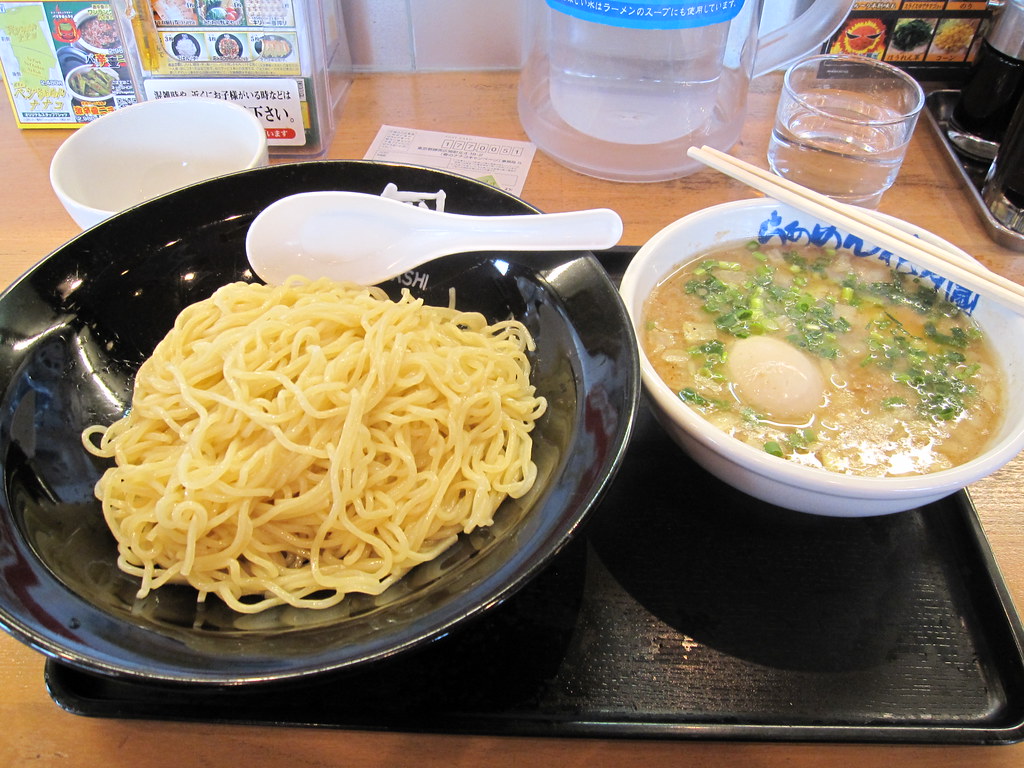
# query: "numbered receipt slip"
{"type": "Point", "coordinates": [502, 163]}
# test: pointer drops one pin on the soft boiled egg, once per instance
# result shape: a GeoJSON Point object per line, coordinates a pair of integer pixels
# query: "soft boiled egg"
{"type": "Point", "coordinates": [775, 377]}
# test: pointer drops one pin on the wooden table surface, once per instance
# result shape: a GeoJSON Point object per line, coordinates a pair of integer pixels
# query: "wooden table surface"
{"type": "Point", "coordinates": [35, 732]}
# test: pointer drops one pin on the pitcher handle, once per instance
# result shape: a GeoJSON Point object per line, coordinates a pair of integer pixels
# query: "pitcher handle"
{"type": "Point", "coordinates": [781, 46]}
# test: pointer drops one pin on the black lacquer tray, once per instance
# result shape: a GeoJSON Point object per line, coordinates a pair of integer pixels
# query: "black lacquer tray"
{"type": "Point", "coordinates": [686, 610]}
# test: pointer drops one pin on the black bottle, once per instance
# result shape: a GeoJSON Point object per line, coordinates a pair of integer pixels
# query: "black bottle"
{"type": "Point", "coordinates": [993, 88]}
{"type": "Point", "coordinates": [1004, 185]}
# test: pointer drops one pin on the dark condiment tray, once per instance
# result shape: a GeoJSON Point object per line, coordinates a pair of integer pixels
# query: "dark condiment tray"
{"type": "Point", "coordinates": [972, 171]}
{"type": "Point", "coordinates": [685, 610]}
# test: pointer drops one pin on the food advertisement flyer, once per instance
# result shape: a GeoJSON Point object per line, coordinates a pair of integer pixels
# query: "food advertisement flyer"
{"type": "Point", "coordinates": [63, 62]}
{"type": "Point", "coordinates": [247, 51]}
{"type": "Point", "coordinates": [237, 38]}
{"type": "Point", "coordinates": [930, 39]}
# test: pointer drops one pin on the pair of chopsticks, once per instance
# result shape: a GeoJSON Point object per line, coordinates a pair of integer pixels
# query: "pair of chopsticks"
{"type": "Point", "coordinates": [966, 272]}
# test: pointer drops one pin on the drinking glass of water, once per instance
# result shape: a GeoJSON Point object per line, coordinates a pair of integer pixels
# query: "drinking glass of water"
{"type": "Point", "coordinates": [842, 126]}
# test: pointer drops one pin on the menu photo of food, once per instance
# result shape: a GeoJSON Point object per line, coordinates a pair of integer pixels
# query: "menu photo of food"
{"type": "Point", "coordinates": [269, 13]}
{"type": "Point", "coordinates": [227, 47]}
{"type": "Point", "coordinates": [94, 66]}
{"type": "Point", "coordinates": [221, 13]}
{"type": "Point", "coordinates": [90, 83]}
{"type": "Point", "coordinates": [275, 47]}
{"type": "Point", "coordinates": [175, 13]}
{"type": "Point", "coordinates": [184, 46]}
{"type": "Point", "coordinates": [952, 40]}
{"type": "Point", "coordinates": [910, 39]}
{"type": "Point", "coordinates": [97, 31]}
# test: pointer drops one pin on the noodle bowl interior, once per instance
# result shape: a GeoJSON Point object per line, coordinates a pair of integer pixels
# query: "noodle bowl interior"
{"type": "Point", "coordinates": [825, 358]}
{"type": "Point", "coordinates": [295, 444]}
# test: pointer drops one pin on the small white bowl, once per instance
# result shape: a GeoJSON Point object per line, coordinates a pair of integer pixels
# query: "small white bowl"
{"type": "Point", "coordinates": [774, 479]}
{"type": "Point", "coordinates": [148, 149]}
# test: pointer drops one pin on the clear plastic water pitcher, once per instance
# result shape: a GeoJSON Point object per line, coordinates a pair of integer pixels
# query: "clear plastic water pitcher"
{"type": "Point", "coordinates": [620, 90]}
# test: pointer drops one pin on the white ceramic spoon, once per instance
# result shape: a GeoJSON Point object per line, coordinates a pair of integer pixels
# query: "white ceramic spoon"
{"type": "Point", "coordinates": [366, 239]}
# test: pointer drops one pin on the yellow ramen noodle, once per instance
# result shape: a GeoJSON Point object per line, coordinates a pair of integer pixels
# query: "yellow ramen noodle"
{"type": "Point", "coordinates": [292, 444]}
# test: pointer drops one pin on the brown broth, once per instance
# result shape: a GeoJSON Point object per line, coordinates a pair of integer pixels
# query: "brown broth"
{"type": "Point", "coordinates": [897, 398]}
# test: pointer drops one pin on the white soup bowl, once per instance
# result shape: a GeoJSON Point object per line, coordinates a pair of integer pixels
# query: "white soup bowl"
{"type": "Point", "coordinates": [773, 479]}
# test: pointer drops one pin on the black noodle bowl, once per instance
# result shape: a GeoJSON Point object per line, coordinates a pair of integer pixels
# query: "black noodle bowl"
{"type": "Point", "coordinates": [78, 325]}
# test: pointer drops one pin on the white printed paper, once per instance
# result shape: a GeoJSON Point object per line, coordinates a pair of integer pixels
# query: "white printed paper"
{"type": "Point", "coordinates": [502, 163]}
{"type": "Point", "coordinates": [276, 101]}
